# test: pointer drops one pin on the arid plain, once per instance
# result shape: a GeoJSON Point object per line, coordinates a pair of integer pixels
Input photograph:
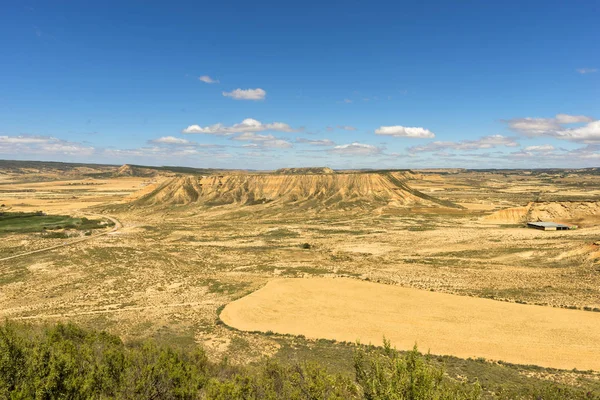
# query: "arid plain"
{"type": "Point", "coordinates": [185, 244]}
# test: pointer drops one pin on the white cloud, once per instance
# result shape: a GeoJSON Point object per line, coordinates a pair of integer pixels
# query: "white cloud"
{"type": "Point", "coordinates": [486, 142]}
{"type": "Point", "coordinates": [401, 131]}
{"type": "Point", "coordinates": [533, 126]}
{"type": "Point", "coordinates": [42, 145]}
{"type": "Point", "coordinates": [545, 126]}
{"type": "Point", "coordinates": [541, 148]}
{"type": "Point", "coordinates": [555, 127]}
{"type": "Point", "coordinates": [24, 139]}
{"type": "Point", "coordinates": [347, 101]}
{"type": "Point", "coordinates": [67, 148]}
{"type": "Point", "coordinates": [246, 94]}
{"type": "Point", "coordinates": [253, 137]}
{"type": "Point", "coordinates": [342, 127]}
{"type": "Point", "coordinates": [589, 133]}
{"type": "Point", "coordinates": [276, 144]}
{"type": "Point", "coordinates": [314, 142]}
{"type": "Point", "coordinates": [355, 149]}
{"type": "Point", "coordinates": [587, 70]}
{"type": "Point", "coordinates": [564, 119]}
{"type": "Point", "coordinates": [154, 153]}
{"type": "Point", "coordinates": [247, 125]}
{"type": "Point", "coordinates": [546, 150]}
{"type": "Point", "coordinates": [256, 154]}
{"type": "Point", "coordinates": [263, 141]}
{"type": "Point", "coordinates": [590, 156]}
{"type": "Point", "coordinates": [208, 79]}
{"type": "Point", "coordinates": [580, 156]}
{"type": "Point", "coordinates": [171, 140]}
{"type": "Point", "coordinates": [47, 147]}
{"type": "Point", "coordinates": [444, 154]}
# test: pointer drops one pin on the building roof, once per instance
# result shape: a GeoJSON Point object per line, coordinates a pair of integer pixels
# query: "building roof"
{"type": "Point", "coordinates": [548, 224]}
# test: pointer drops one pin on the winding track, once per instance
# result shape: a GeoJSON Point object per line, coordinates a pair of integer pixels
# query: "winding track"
{"type": "Point", "coordinates": [117, 226]}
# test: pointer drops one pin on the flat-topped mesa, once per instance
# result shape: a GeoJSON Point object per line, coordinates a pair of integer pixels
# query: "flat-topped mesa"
{"type": "Point", "coordinates": [339, 190]}
{"type": "Point", "coordinates": [304, 171]}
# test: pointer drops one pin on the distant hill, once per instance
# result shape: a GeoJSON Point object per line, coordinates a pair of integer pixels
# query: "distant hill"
{"type": "Point", "coordinates": [130, 170]}
{"type": "Point", "coordinates": [16, 166]}
{"type": "Point", "coordinates": [49, 170]}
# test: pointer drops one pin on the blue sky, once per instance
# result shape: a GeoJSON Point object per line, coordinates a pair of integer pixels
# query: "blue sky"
{"type": "Point", "coordinates": [346, 84]}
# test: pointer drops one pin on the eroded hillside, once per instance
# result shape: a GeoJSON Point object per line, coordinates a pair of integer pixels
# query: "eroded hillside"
{"type": "Point", "coordinates": [326, 190]}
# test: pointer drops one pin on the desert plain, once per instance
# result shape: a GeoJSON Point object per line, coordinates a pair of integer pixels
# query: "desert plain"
{"type": "Point", "coordinates": [194, 257]}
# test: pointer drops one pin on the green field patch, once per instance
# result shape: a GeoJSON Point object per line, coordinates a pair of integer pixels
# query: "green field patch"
{"type": "Point", "coordinates": [28, 222]}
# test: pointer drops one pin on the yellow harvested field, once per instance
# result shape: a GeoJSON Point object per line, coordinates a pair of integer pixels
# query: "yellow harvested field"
{"type": "Point", "coordinates": [350, 310]}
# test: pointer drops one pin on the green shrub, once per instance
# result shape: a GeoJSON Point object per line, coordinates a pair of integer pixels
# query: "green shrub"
{"type": "Point", "coordinates": [388, 374]}
{"type": "Point", "coordinates": [67, 362]}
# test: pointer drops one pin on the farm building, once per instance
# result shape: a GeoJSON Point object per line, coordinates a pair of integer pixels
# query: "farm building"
{"type": "Point", "coordinates": [548, 226]}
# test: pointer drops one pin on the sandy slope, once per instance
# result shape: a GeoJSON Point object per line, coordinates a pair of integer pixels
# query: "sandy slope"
{"type": "Point", "coordinates": [347, 310]}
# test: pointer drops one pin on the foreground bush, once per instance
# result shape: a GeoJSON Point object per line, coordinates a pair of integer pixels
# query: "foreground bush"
{"type": "Point", "coordinates": [67, 362]}
{"type": "Point", "coordinates": [390, 375]}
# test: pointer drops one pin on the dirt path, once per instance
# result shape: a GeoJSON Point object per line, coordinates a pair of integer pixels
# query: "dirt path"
{"type": "Point", "coordinates": [350, 310]}
{"type": "Point", "coordinates": [106, 311]}
{"type": "Point", "coordinates": [117, 226]}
